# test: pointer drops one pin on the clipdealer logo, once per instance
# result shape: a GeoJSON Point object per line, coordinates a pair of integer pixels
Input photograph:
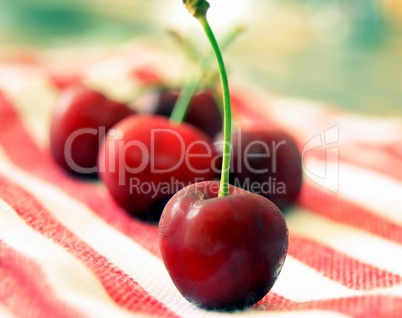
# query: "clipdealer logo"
{"type": "Point", "coordinates": [323, 172]}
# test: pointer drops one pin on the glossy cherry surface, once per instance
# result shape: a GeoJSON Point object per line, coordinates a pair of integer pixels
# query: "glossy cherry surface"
{"type": "Point", "coordinates": [80, 120]}
{"type": "Point", "coordinates": [267, 162]}
{"type": "Point", "coordinates": [146, 159]}
{"type": "Point", "coordinates": [222, 253]}
{"type": "Point", "coordinates": [203, 111]}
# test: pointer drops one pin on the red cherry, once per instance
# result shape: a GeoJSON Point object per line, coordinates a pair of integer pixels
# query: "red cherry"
{"type": "Point", "coordinates": [269, 163]}
{"type": "Point", "coordinates": [149, 158]}
{"type": "Point", "coordinates": [266, 162]}
{"type": "Point", "coordinates": [222, 252]}
{"type": "Point", "coordinates": [80, 120]}
{"type": "Point", "coordinates": [203, 111]}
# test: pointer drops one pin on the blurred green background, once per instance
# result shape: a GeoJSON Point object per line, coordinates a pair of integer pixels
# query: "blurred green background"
{"type": "Point", "coordinates": [343, 52]}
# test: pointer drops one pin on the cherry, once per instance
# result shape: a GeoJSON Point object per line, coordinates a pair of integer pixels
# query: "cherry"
{"type": "Point", "coordinates": [80, 120]}
{"type": "Point", "coordinates": [223, 246]}
{"type": "Point", "coordinates": [146, 159]}
{"type": "Point", "coordinates": [222, 252]}
{"type": "Point", "coordinates": [203, 111]}
{"type": "Point", "coordinates": [267, 162]}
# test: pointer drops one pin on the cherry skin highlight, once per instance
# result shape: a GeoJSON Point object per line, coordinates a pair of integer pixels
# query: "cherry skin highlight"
{"type": "Point", "coordinates": [146, 159]}
{"type": "Point", "coordinates": [222, 252]}
{"type": "Point", "coordinates": [203, 111]}
{"type": "Point", "coordinates": [80, 120]}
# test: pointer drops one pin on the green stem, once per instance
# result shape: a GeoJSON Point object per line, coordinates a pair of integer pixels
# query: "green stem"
{"type": "Point", "coordinates": [189, 47]}
{"type": "Point", "coordinates": [227, 118]}
{"type": "Point", "coordinates": [181, 107]}
{"type": "Point", "coordinates": [224, 43]}
{"type": "Point", "coordinates": [182, 104]}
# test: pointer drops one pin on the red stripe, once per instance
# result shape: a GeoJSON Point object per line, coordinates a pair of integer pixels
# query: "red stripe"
{"type": "Point", "coordinates": [62, 81]}
{"type": "Point", "coordinates": [145, 233]}
{"type": "Point", "coordinates": [386, 164]}
{"type": "Point", "coordinates": [395, 150]}
{"type": "Point", "coordinates": [23, 59]}
{"type": "Point", "coordinates": [308, 252]}
{"type": "Point", "coordinates": [317, 201]}
{"type": "Point", "coordinates": [123, 289]}
{"type": "Point", "coordinates": [339, 267]}
{"type": "Point", "coordinates": [332, 206]}
{"type": "Point", "coordinates": [24, 296]}
{"type": "Point", "coordinates": [392, 154]}
{"type": "Point", "coordinates": [391, 147]}
{"type": "Point", "coordinates": [273, 301]}
{"type": "Point", "coordinates": [147, 75]}
{"type": "Point", "coordinates": [313, 200]}
{"type": "Point", "coordinates": [21, 149]}
{"type": "Point", "coordinates": [389, 166]}
{"type": "Point", "coordinates": [373, 306]}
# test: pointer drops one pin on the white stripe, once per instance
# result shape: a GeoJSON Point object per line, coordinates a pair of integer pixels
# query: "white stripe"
{"type": "Point", "coordinates": [72, 282]}
{"type": "Point", "coordinates": [304, 314]}
{"type": "Point", "coordinates": [289, 282]}
{"type": "Point", "coordinates": [4, 312]}
{"type": "Point", "coordinates": [34, 99]}
{"type": "Point", "coordinates": [348, 240]}
{"type": "Point", "coordinates": [120, 71]}
{"type": "Point", "coordinates": [133, 259]}
{"type": "Point", "coordinates": [124, 87]}
{"type": "Point", "coordinates": [376, 192]}
{"type": "Point", "coordinates": [301, 283]}
{"type": "Point", "coordinates": [370, 157]}
{"type": "Point", "coordinates": [129, 256]}
{"type": "Point", "coordinates": [300, 114]}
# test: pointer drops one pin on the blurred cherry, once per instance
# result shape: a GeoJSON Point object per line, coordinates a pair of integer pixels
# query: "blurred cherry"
{"type": "Point", "coordinates": [203, 110]}
{"type": "Point", "coordinates": [146, 159]}
{"type": "Point", "coordinates": [80, 120]}
{"type": "Point", "coordinates": [266, 162]}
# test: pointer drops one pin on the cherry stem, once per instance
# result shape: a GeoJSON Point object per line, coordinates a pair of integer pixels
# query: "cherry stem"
{"type": "Point", "coordinates": [199, 8]}
{"type": "Point", "coordinates": [182, 104]}
{"type": "Point", "coordinates": [227, 111]}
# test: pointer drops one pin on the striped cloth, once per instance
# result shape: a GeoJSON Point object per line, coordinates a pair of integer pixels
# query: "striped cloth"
{"type": "Point", "coordinates": [67, 250]}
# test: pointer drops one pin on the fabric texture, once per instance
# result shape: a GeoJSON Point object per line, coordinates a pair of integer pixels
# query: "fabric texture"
{"type": "Point", "coordinates": [68, 250]}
